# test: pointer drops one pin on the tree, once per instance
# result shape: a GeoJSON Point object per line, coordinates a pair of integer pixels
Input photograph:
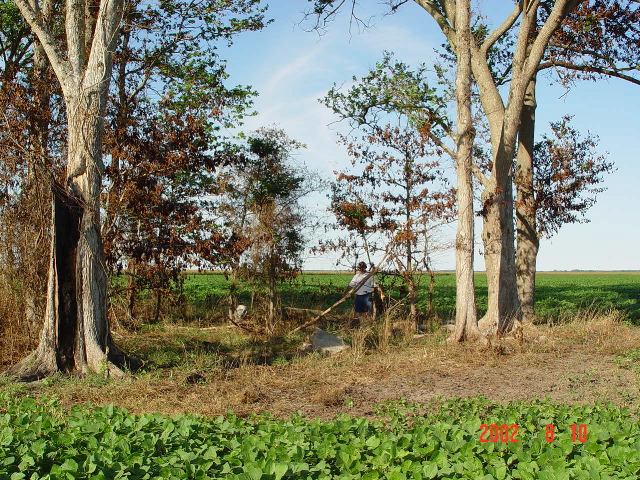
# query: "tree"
{"type": "Point", "coordinates": [169, 102]}
{"type": "Point", "coordinates": [466, 325]}
{"type": "Point", "coordinates": [601, 38]}
{"type": "Point", "coordinates": [395, 192]}
{"type": "Point", "coordinates": [30, 150]}
{"type": "Point", "coordinates": [503, 119]}
{"type": "Point", "coordinates": [401, 193]}
{"type": "Point", "coordinates": [76, 335]}
{"type": "Point", "coordinates": [261, 212]}
{"type": "Point", "coordinates": [394, 91]}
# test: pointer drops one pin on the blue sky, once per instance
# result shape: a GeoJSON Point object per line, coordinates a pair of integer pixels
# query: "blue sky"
{"type": "Point", "coordinates": [292, 68]}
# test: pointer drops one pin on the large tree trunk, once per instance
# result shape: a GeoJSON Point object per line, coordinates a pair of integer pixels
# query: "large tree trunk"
{"type": "Point", "coordinates": [527, 234]}
{"type": "Point", "coordinates": [36, 192]}
{"type": "Point", "coordinates": [76, 335]}
{"type": "Point", "coordinates": [466, 327]}
{"type": "Point", "coordinates": [503, 306]}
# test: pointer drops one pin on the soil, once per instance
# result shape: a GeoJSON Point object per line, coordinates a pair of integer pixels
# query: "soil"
{"type": "Point", "coordinates": [582, 362]}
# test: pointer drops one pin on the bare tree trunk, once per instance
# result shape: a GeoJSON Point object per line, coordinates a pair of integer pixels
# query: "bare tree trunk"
{"type": "Point", "coordinates": [499, 249]}
{"type": "Point", "coordinates": [37, 197]}
{"type": "Point", "coordinates": [466, 327]}
{"type": "Point", "coordinates": [233, 293]}
{"type": "Point", "coordinates": [272, 294]}
{"type": "Point", "coordinates": [409, 274]}
{"type": "Point", "coordinates": [76, 335]}
{"type": "Point", "coordinates": [527, 234]}
{"type": "Point", "coordinates": [413, 299]}
{"type": "Point", "coordinates": [156, 309]}
{"type": "Point", "coordinates": [432, 288]}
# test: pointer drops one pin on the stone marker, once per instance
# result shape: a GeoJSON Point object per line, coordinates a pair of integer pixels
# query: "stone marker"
{"type": "Point", "coordinates": [327, 344]}
{"type": "Point", "coordinates": [241, 312]}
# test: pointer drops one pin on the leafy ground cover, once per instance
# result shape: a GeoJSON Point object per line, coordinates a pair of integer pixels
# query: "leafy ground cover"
{"type": "Point", "coordinates": [39, 440]}
{"type": "Point", "coordinates": [301, 430]}
{"type": "Point", "coordinates": [558, 295]}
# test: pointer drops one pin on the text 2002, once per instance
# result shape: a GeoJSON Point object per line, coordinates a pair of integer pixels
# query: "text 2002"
{"type": "Point", "coordinates": [498, 433]}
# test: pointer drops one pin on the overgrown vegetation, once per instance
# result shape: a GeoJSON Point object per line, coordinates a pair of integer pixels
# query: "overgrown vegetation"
{"type": "Point", "coordinates": [202, 301]}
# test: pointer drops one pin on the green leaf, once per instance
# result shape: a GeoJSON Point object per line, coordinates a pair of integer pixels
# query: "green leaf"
{"type": "Point", "coordinates": [280, 470]}
{"type": "Point", "coordinates": [69, 465]}
{"type": "Point", "coordinates": [430, 470]}
{"type": "Point", "coordinates": [252, 473]}
{"type": "Point", "coordinates": [372, 442]}
{"type": "Point", "coordinates": [6, 436]}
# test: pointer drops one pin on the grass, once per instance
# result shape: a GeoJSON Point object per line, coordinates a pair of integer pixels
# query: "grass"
{"type": "Point", "coordinates": [209, 371]}
{"type": "Point", "coordinates": [558, 294]}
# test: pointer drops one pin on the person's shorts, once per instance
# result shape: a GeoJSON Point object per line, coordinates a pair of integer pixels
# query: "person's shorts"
{"type": "Point", "coordinates": [363, 304]}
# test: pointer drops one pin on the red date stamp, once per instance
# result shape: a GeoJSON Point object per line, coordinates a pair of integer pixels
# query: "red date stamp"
{"type": "Point", "coordinates": [508, 433]}
{"type": "Point", "coordinates": [578, 433]}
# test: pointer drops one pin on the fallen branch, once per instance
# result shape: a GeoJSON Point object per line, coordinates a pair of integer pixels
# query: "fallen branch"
{"type": "Point", "coordinates": [344, 297]}
{"type": "Point", "coordinates": [244, 327]}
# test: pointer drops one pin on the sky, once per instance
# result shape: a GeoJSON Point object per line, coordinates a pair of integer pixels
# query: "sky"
{"type": "Point", "coordinates": [291, 68]}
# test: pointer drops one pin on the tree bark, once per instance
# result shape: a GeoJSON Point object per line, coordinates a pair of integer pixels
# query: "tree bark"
{"type": "Point", "coordinates": [527, 232]}
{"type": "Point", "coordinates": [466, 326]}
{"type": "Point", "coordinates": [272, 295]}
{"type": "Point", "coordinates": [76, 337]}
{"type": "Point", "coordinates": [413, 299]}
{"type": "Point", "coordinates": [499, 250]}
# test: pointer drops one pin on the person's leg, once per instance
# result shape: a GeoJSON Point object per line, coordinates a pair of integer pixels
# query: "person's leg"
{"type": "Point", "coordinates": [360, 304]}
{"type": "Point", "coordinates": [368, 302]}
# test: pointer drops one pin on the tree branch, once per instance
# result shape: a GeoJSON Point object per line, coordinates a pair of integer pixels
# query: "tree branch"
{"type": "Point", "coordinates": [501, 30]}
{"type": "Point", "coordinates": [75, 33]}
{"type": "Point", "coordinates": [442, 21]}
{"type": "Point", "coordinates": [561, 9]}
{"type": "Point", "coordinates": [479, 174]}
{"type": "Point", "coordinates": [346, 295]}
{"type": "Point", "coordinates": [61, 67]}
{"type": "Point", "coordinates": [105, 37]}
{"type": "Point", "coordinates": [591, 69]}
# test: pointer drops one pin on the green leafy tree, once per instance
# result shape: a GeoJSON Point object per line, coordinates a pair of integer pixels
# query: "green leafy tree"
{"type": "Point", "coordinates": [395, 194]}
{"type": "Point", "coordinates": [158, 42]}
{"type": "Point", "coordinates": [261, 210]}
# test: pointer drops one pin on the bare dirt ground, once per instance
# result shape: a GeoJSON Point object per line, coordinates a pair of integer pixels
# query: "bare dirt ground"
{"type": "Point", "coordinates": [581, 362]}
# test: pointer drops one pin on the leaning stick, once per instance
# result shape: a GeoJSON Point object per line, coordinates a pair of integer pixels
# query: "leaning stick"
{"type": "Point", "coordinates": [344, 297]}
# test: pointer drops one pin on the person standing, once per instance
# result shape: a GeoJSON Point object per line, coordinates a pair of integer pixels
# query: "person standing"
{"type": "Point", "coordinates": [363, 303]}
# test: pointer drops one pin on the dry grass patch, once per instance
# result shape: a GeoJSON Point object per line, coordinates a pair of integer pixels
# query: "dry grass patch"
{"type": "Point", "coordinates": [212, 371]}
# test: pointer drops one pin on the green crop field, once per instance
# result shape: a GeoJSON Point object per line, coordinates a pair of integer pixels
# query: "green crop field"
{"type": "Point", "coordinates": [446, 438]}
{"type": "Point", "coordinates": [557, 294]}
{"type": "Point", "coordinates": [459, 439]}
